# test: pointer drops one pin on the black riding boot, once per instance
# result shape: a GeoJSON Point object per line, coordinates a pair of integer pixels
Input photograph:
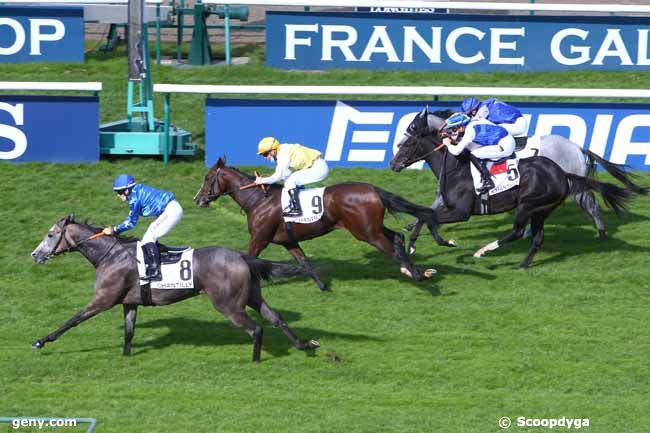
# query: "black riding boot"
{"type": "Point", "coordinates": [152, 261]}
{"type": "Point", "coordinates": [486, 177]}
{"type": "Point", "coordinates": [295, 209]}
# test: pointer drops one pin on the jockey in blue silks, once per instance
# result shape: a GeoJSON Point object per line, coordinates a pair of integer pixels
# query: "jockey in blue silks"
{"type": "Point", "coordinates": [497, 112]}
{"type": "Point", "coordinates": [147, 202]}
{"type": "Point", "coordinates": [482, 138]}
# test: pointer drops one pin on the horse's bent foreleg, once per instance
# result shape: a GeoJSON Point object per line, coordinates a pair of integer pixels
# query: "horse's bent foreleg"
{"type": "Point", "coordinates": [299, 255]}
{"type": "Point", "coordinates": [130, 315]}
{"type": "Point", "coordinates": [587, 201]}
{"type": "Point", "coordinates": [91, 310]}
{"type": "Point", "coordinates": [519, 226]}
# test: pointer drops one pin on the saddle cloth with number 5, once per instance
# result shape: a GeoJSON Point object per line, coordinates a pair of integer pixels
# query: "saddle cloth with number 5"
{"type": "Point", "coordinates": [505, 176]}
{"type": "Point", "coordinates": [177, 275]}
{"type": "Point", "coordinates": [312, 204]}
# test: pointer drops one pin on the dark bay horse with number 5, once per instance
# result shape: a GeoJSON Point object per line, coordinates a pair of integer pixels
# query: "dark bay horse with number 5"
{"type": "Point", "coordinates": [543, 186]}
{"type": "Point", "coordinates": [229, 278]}
{"type": "Point", "coordinates": [357, 207]}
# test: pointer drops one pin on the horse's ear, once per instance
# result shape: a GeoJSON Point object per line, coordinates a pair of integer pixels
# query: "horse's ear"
{"type": "Point", "coordinates": [424, 111]}
{"type": "Point", "coordinates": [224, 159]}
{"type": "Point", "coordinates": [220, 162]}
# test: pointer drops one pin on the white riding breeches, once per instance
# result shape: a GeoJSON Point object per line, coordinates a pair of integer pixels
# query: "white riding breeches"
{"type": "Point", "coordinates": [317, 172]}
{"type": "Point", "coordinates": [517, 129]}
{"type": "Point", "coordinates": [164, 223]}
{"type": "Point", "coordinates": [505, 147]}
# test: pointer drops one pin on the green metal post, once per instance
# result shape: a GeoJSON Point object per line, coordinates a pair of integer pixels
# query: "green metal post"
{"type": "Point", "coordinates": [226, 22]}
{"type": "Point", "coordinates": [129, 103]}
{"type": "Point", "coordinates": [532, 12]}
{"type": "Point", "coordinates": [200, 51]}
{"type": "Point", "coordinates": [166, 126]}
{"type": "Point", "coordinates": [179, 33]}
{"type": "Point", "coordinates": [158, 34]}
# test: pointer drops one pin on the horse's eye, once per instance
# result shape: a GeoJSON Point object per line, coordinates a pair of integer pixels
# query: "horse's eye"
{"type": "Point", "coordinates": [50, 235]}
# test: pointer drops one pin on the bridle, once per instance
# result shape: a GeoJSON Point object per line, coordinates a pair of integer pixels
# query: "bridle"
{"type": "Point", "coordinates": [74, 246]}
{"type": "Point", "coordinates": [412, 159]}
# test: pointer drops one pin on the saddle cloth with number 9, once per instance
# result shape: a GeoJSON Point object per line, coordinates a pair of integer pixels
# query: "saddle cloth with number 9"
{"type": "Point", "coordinates": [176, 275]}
{"type": "Point", "coordinates": [312, 204]}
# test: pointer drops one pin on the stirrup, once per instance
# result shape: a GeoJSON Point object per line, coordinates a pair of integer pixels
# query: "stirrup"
{"type": "Point", "coordinates": [157, 277]}
{"type": "Point", "coordinates": [486, 187]}
{"type": "Point", "coordinates": [292, 213]}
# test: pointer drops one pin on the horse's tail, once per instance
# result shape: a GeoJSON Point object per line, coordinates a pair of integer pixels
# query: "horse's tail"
{"type": "Point", "coordinates": [617, 171]}
{"type": "Point", "coordinates": [615, 197]}
{"type": "Point", "coordinates": [264, 269]}
{"type": "Point", "coordinates": [394, 203]}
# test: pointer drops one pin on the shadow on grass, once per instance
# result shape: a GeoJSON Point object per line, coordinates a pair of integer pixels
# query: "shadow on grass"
{"type": "Point", "coordinates": [373, 265]}
{"type": "Point", "coordinates": [194, 332]}
{"type": "Point", "coordinates": [562, 248]}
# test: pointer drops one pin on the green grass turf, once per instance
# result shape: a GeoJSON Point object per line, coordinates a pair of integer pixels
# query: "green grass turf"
{"type": "Point", "coordinates": [481, 340]}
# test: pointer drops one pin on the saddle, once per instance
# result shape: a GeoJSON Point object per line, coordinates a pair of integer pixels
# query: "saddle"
{"type": "Point", "coordinates": [169, 254]}
{"type": "Point", "coordinates": [492, 163]}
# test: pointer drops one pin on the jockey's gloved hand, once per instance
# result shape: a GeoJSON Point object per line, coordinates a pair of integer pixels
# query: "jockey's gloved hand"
{"type": "Point", "coordinates": [108, 231]}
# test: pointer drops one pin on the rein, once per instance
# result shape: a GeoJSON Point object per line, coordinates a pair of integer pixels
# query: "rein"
{"type": "Point", "coordinates": [83, 241]}
{"type": "Point", "coordinates": [421, 157]}
{"type": "Point", "coordinates": [211, 196]}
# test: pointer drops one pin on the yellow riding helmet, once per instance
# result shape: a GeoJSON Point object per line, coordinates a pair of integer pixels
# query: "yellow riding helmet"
{"type": "Point", "coordinates": [267, 144]}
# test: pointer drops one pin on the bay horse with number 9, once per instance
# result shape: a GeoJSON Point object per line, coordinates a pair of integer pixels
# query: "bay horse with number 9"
{"type": "Point", "coordinates": [354, 206]}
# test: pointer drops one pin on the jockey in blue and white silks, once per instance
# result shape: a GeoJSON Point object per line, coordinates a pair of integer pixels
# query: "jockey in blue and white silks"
{"type": "Point", "coordinates": [147, 202]}
{"type": "Point", "coordinates": [497, 112]}
{"type": "Point", "coordinates": [482, 138]}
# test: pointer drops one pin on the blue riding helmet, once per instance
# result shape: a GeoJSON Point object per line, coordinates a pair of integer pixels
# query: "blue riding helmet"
{"type": "Point", "coordinates": [469, 104]}
{"type": "Point", "coordinates": [457, 119]}
{"type": "Point", "coordinates": [123, 181]}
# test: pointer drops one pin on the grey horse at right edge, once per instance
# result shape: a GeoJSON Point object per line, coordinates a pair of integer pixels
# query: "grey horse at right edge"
{"type": "Point", "coordinates": [568, 155]}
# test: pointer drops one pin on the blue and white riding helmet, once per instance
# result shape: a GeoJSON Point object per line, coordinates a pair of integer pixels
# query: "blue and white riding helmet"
{"type": "Point", "coordinates": [469, 105]}
{"type": "Point", "coordinates": [456, 120]}
{"type": "Point", "coordinates": [122, 182]}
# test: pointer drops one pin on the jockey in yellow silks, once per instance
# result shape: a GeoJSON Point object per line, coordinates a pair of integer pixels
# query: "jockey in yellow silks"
{"type": "Point", "coordinates": [297, 165]}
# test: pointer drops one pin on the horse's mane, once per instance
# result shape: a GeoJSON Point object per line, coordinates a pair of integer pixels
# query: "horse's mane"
{"type": "Point", "coordinates": [94, 229]}
{"type": "Point", "coordinates": [248, 176]}
{"type": "Point", "coordinates": [443, 114]}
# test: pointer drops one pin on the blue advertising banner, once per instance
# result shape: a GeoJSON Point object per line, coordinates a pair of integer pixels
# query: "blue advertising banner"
{"type": "Point", "coordinates": [41, 34]}
{"type": "Point", "coordinates": [463, 43]}
{"type": "Point", "coordinates": [366, 133]}
{"type": "Point", "coordinates": [49, 128]}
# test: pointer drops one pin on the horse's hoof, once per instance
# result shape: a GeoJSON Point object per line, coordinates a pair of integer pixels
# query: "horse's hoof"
{"type": "Point", "coordinates": [38, 344]}
{"type": "Point", "coordinates": [480, 253]}
{"type": "Point", "coordinates": [313, 344]}
{"type": "Point", "coordinates": [452, 242]}
{"type": "Point", "coordinates": [406, 272]}
{"type": "Point", "coordinates": [411, 250]}
{"type": "Point", "coordinates": [428, 273]}
{"type": "Point", "coordinates": [323, 287]}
